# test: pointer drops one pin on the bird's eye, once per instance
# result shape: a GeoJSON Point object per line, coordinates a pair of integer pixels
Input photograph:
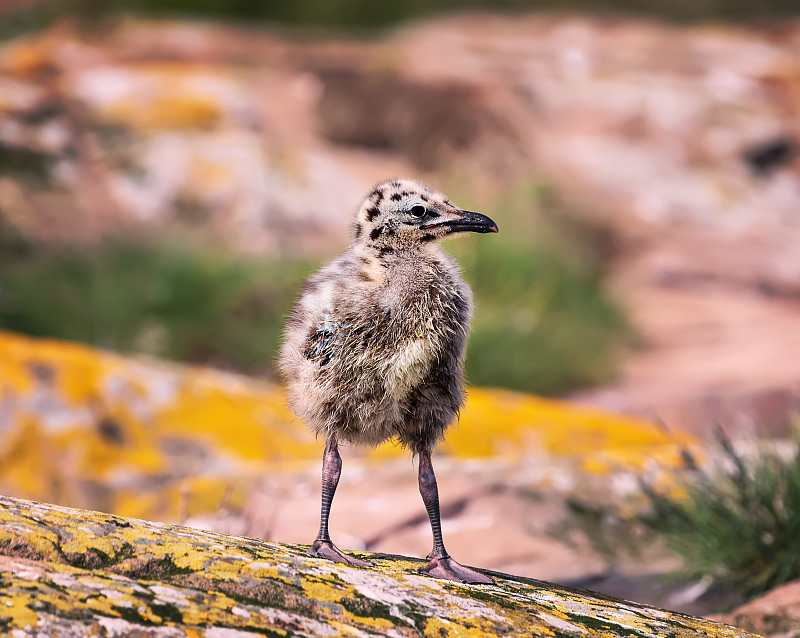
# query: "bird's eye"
{"type": "Point", "coordinates": [418, 211]}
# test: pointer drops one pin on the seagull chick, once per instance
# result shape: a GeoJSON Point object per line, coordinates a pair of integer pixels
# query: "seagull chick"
{"type": "Point", "coordinates": [374, 349]}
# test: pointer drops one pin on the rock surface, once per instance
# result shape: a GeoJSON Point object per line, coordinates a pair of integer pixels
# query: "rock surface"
{"type": "Point", "coordinates": [70, 572]}
{"type": "Point", "coordinates": [776, 613]}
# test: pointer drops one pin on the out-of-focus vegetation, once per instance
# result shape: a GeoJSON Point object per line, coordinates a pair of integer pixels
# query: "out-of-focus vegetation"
{"type": "Point", "coordinates": [166, 298]}
{"type": "Point", "coordinates": [544, 321]}
{"type": "Point", "coordinates": [734, 523]}
{"type": "Point", "coordinates": [364, 13]}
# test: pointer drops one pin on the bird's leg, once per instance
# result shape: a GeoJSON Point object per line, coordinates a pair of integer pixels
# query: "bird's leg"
{"type": "Point", "coordinates": [323, 547]}
{"type": "Point", "coordinates": [441, 565]}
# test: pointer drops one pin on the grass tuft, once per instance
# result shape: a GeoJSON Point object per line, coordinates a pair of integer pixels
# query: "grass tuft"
{"type": "Point", "coordinates": [734, 522]}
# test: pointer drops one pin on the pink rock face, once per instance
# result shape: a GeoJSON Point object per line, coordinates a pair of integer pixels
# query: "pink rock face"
{"type": "Point", "coordinates": [776, 613]}
{"type": "Point", "coordinates": [650, 130]}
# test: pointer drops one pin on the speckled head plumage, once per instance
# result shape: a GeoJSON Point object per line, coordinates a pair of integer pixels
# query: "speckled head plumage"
{"type": "Point", "coordinates": [402, 213]}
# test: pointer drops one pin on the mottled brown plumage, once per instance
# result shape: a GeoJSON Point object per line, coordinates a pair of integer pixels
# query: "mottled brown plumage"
{"type": "Point", "coordinates": [374, 349]}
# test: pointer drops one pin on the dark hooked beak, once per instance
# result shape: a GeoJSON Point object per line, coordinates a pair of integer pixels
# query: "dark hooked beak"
{"type": "Point", "coordinates": [468, 222]}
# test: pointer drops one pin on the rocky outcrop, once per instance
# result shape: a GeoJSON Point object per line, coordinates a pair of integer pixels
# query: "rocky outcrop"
{"type": "Point", "coordinates": [257, 129]}
{"type": "Point", "coordinates": [69, 572]}
{"type": "Point", "coordinates": [140, 437]}
{"type": "Point", "coordinates": [680, 142]}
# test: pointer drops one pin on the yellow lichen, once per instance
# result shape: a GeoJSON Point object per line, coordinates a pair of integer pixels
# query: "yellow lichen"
{"type": "Point", "coordinates": [31, 55]}
{"type": "Point", "coordinates": [162, 95]}
{"type": "Point", "coordinates": [82, 417]}
{"type": "Point", "coordinates": [323, 591]}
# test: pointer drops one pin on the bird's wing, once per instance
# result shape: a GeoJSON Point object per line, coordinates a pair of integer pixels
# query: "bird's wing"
{"type": "Point", "coordinates": [321, 344]}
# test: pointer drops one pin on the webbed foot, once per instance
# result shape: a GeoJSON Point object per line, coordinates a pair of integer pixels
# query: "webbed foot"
{"type": "Point", "coordinates": [329, 551]}
{"type": "Point", "coordinates": [448, 569]}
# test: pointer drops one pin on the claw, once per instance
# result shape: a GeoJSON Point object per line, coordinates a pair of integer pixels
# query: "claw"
{"type": "Point", "coordinates": [448, 569]}
{"type": "Point", "coordinates": [329, 551]}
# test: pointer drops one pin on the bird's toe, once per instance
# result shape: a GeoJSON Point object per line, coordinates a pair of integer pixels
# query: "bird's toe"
{"type": "Point", "coordinates": [449, 569]}
{"type": "Point", "coordinates": [329, 551]}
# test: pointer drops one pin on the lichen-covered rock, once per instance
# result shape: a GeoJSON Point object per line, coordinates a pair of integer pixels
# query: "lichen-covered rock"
{"type": "Point", "coordinates": [139, 437]}
{"type": "Point", "coordinates": [66, 572]}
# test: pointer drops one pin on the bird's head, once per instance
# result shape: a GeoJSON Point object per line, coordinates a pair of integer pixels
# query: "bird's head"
{"type": "Point", "coordinates": [402, 213]}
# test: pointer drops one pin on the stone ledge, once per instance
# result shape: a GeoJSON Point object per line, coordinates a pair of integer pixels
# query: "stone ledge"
{"type": "Point", "coordinates": [80, 573]}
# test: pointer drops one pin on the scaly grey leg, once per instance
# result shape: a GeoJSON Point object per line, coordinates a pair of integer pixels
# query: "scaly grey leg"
{"type": "Point", "coordinates": [323, 547]}
{"type": "Point", "coordinates": [441, 565]}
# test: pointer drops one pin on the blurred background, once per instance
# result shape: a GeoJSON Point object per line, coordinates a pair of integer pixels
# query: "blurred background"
{"type": "Point", "coordinates": [171, 171]}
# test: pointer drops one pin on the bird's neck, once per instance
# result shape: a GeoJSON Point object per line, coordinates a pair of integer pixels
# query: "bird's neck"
{"type": "Point", "coordinates": [376, 261]}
